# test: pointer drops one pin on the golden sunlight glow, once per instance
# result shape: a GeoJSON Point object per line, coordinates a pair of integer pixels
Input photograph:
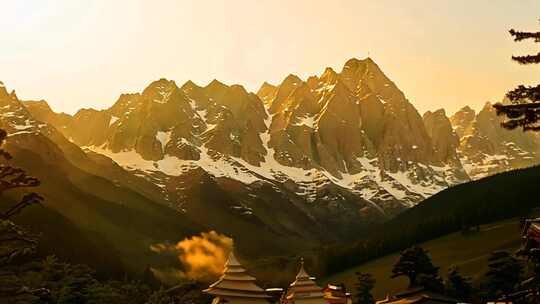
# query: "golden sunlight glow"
{"type": "Point", "coordinates": [77, 53]}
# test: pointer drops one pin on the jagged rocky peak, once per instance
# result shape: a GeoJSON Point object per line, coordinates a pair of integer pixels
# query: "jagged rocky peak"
{"type": "Point", "coordinates": [224, 119]}
{"type": "Point", "coordinates": [404, 140]}
{"type": "Point", "coordinates": [7, 98]}
{"type": "Point", "coordinates": [42, 104]}
{"type": "Point", "coordinates": [290, 83]}
{"type": "Point", "coordinates": [365, 76]}
{"type": "Point", "coordinates": [159, 89]}
{"type": "Point", "coordinates": [355, 68]}
{"type": "Point", "coordinates": [436, 120]}
{"type": "Point", "coordinates": [489, 124]}
{"type": "Point", "coordinates": [238, 91]}
{"type": "Point", "coordinates": [486, 148]}
{"type": "Point", "coordinates": [163, 99]}
{"type": "Point", "coordinates": [302, 101]}
{"type": "Point", "coordinates": [190, 85]}
{"type": "Point", "coordinates": [337, 122]}
{"type": "Point", "coordinates": [353, 130]}
{"type": "Point", "coordinates": [125, 103]}
{"type": "Point", "coordinates": [14, 116]}
{"type": "Point", "coordinates": [486, 118]}
{"type": "Point", "coordinates": [215, 88]}
{"type": "Point", "coordinates": [445, 140]}
{"type": "Point", "coordinates": [234, 99]}
{"type": "Point", "coordinates": [329, 76]}
{"type": "Point", "coordinates": [3, 90]}
{"type": "Point", "coordinates": [344, 142]}
{"type": "Point", "coordinates": [313, 82]}
{"type": "Point", "coordinates": [41, 111]}
{"type": "Point", "coordinates": [462, 120]}
{"type": "Point", "coordinates": [291, 80]}
{"type": "Point", "coordinates": [355, 64]}
{"type": "Point", "coordinates": [266, 92]}
{"type": "Point", "coordinates": [85, 127]}
{"type": "Point", "coordinates": [199, 99]}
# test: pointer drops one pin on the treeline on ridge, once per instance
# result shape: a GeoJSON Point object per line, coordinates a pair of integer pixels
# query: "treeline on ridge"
{"type": "Point", "coordinates": [463, 207]}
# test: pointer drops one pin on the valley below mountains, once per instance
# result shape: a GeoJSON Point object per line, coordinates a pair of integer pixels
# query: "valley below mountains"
{"type": "Point", "coordinates": [283, 169]}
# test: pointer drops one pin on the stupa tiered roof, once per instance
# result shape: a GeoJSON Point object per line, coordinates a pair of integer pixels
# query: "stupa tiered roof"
{"type": "Point", "coordinates": [304, 289]}
{"type": "Point", "coordinates": [236, 286]}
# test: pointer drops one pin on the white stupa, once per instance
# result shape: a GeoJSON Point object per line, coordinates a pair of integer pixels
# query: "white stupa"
{"type": "Point", "coordinates": [235, 286]}
{"type": "Point", "coordinates": [304, 290]}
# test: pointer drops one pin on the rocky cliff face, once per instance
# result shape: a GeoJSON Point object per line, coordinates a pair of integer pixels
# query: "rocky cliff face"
{"type": "Point", "coordinates": [351, 133]}
{"type": "Point", "coordinates": [444, 139]}
{"type": "Point", "coordinates": [462, 120]}
{"type": "Point", "coordinates": [340, 149]}
{"type": "Point", "coordinates": [485, 148]}
{"type": "Point", "coordinates": [134, 201]}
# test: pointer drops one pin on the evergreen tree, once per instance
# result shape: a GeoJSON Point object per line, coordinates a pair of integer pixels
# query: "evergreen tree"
{"type": "Point", "coordinates": [14, 178]}
{"type": "Point", "coordinates": [504, 274]}
{"type": "Point", "coordinates": [161, 297]}
{"type": "Point", "coordinates": [431, 282]}
{"type": "Point", "coordinates": [458, 286]}
{"type": "Point", "coordinates": [524, 110]}
{"type": "Point", "coordinates": [75, 283]}
{"type": "Point", "coordinates": [17, 247]}
{"type": "Point", "coordinates": [364, 285]}
{"type": "Point", "coordinates": [99, 293]}
{"type": "Point", "coordinates": [416, 265]}
{"type": "Point", "coordinates": [24, 278]}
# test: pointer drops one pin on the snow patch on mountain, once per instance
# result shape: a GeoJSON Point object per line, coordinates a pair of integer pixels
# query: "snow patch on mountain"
{"type": "Point", "coordinates": [307, 120]}
{"type": "Point", "coordinates": [369, 183]}
{"type": "Point", "coordinates": [113, 120]}
{"type": "Point", "coordinates": [164, 94]}
{"type": "Point", "coordinates": [217, 165]}
{"type": "Point", "coordinates": [163, 137]}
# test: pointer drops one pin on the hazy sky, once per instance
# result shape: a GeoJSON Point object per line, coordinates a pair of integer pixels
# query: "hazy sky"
{"type": "Point", "coordinates": [76, 53]}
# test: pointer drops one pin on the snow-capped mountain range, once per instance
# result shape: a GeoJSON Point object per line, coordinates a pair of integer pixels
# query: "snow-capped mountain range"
{"type": "Point", "coordinates": [348, 135]}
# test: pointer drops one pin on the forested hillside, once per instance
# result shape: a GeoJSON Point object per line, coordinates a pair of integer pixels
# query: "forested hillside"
{"type": "Point", "coordinates": [462, 207]}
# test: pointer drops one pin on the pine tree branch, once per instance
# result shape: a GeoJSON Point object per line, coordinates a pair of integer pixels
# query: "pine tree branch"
{"type": "Point", "coordinates": [20, 182]}
{"type": "Point", "coordinates": [11, 177]}
{"type": "Point", "coordinates": [524, 93]}
{"type": "Point", "coordinates": [519, 36]}
{"type": "Point", "coordinates": [6, 171]}
{"type": "Point", "coordinates": [527, 59]}
{"type": "Point", "coordinates": [27, 200]}
{"type": "Point", "coordinates": [515, 108]}
{"type": "Point", "coordinates": [9, 254]}
{"type": "Point", "coordinates": [526, 116]}
{"type": "Point", "coordinates": [22, 239]}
